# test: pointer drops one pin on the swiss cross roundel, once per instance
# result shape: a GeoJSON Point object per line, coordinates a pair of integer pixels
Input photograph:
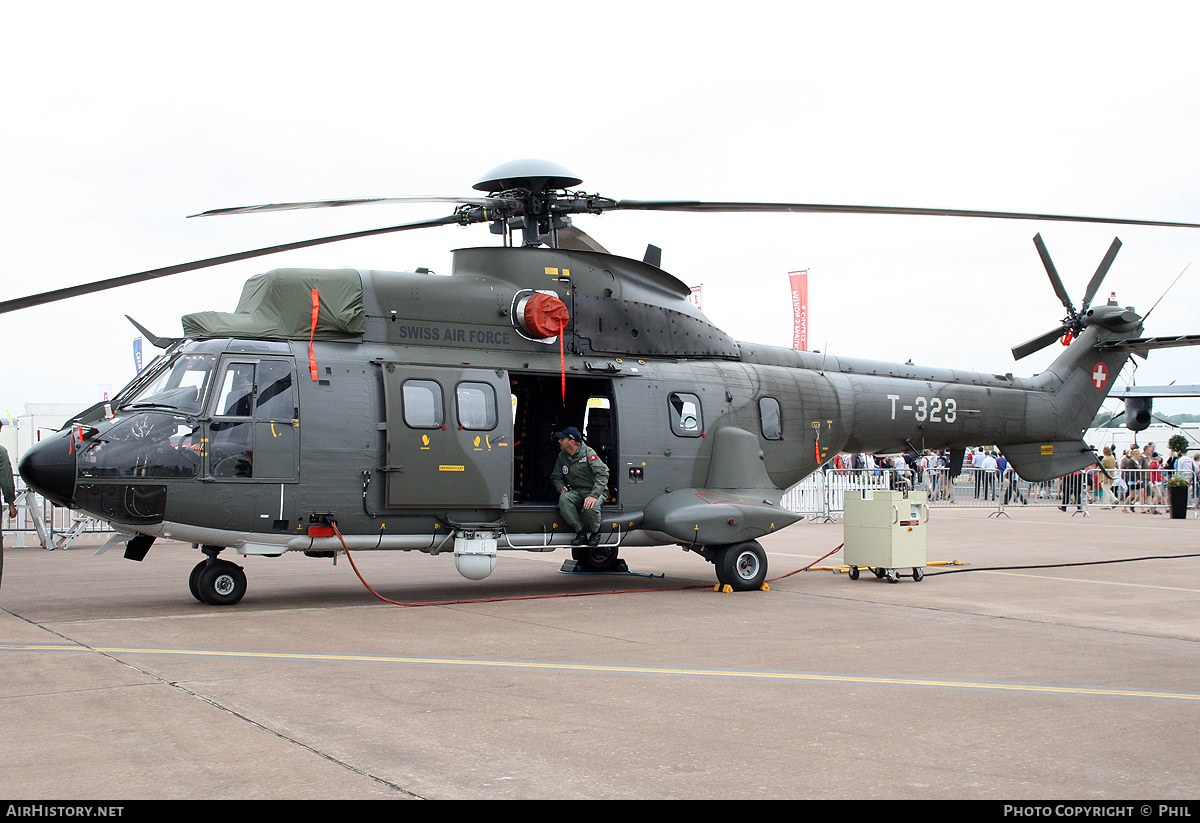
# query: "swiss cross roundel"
{"type": "Point", "coordinates": [1100, 376]}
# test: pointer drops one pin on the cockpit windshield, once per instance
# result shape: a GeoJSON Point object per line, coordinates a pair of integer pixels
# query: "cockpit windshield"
{"type": "Point", "coordinates": [179, 384]}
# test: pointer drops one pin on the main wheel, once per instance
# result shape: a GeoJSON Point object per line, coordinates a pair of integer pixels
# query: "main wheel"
{"type": "Point", "coordinates": [221, 583]}
{"type": "Point", "coordinates": [742, 566]}
{"type": "Point", "coordinates": [596, 558]}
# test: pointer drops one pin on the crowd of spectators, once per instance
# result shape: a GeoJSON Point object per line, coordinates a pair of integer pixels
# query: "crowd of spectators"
{"type": "Point", "coordinates": [1136, 480]}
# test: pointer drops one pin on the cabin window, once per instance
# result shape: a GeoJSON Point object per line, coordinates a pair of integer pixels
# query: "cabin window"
{"type": "Point", "coordinates": [423, 404]}
{"type": "Point", "coordinates": [771, 418]}
{"type": "Point", "coordinates": [686, 420]}
{"type": "Point", "coordinates": [476, 406]}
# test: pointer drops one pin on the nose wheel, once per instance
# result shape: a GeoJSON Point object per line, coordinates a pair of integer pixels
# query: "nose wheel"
{"type": "Point", "coordinates": [217, 582]}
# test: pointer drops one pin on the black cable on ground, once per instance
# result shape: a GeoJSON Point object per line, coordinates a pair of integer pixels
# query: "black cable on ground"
{"type": "Point", "coordinates": [1064, 565]}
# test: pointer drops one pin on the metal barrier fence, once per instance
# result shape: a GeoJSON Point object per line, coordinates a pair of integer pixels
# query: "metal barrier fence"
{"type": "Point", "coordinates": [820, 496]}
{"type": "Point", "coordinates": [53, 526]}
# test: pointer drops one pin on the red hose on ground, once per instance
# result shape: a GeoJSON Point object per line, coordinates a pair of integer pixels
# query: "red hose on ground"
{"type": "Point", "coordinates": [354, 566]}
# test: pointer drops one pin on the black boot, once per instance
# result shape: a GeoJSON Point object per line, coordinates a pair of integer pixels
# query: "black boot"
{"type": "Point", "coordinates": [580, 539]}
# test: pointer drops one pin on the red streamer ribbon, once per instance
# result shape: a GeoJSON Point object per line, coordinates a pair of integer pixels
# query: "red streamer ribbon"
{"type": "Point", "coordinates": [312, 359]}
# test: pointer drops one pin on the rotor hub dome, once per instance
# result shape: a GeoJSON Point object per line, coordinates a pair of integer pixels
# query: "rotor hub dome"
{"type": "Point", "coordinates": [534, 175]}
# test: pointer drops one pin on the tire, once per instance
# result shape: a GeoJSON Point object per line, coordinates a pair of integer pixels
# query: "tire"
{"type": "Point", "coordinates": [743, 566]}
{"type": "Point", "coordinates": [892, 576]}
{"type": "Point", "coordinates": [194, 580]}
{"type": "Point", "coordinates": [918, 574]}
{"type": "Point", "coordinates": [596, 558]}
{"type": "Point", "coordinates": [853, 572]}
{"type": "Point", "coordinates": [221, 583]}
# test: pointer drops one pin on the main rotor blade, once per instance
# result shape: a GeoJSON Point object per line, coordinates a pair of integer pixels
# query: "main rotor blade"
{"type": "Point", "coordinates": [1055, 280]}
{"type": "Point", "coordinates": [701, 206]}
{"type": "Point", "coordinates": [1105, 265]}
{"type": "Point", "coordinates": [1038, 343]}
{"type": "Point", "coordinates": [128, 279]}
{"type": "Point", "coordinates": [485, 202]}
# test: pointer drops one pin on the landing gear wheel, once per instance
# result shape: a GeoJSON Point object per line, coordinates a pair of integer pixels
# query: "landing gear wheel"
{"type": "Point", "coordinates": [221, 583]}
{"type": "Point", "coordinates": [742, 566]}
{"type": "Point", "coordinates": [194, 580]}
{"type": "Point", "coordinates": [918, 575]}
{"type": "Point", "coordinates": [853, 572]}
{"type": "Point", "coordinates": [596, 558]}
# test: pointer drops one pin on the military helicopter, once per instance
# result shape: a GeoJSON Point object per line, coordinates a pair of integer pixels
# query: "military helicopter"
{"type": "Point", "coordinates": [368, 410]}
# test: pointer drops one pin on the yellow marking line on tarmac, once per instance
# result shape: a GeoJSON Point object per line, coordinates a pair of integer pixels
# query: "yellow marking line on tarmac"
{"type": "Point", "coordinates": [1082, 580]}
{"type": "Point", "coordinates": [585, 667]}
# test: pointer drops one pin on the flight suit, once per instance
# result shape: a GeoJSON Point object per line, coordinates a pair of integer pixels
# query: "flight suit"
{"type": "Point", "coordinates": [585, 475]}
{"type": "Point", "coordinates": [8, 487]}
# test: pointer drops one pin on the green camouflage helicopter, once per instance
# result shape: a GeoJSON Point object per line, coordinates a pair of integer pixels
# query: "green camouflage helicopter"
{"type": "Point", "coordinates": [365, 410]}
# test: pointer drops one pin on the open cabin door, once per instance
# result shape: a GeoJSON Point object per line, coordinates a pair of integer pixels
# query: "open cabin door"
{"type": "Point", "coordinates": [449, 437]}
{"type": "Point", "coordinates": [541, 407]}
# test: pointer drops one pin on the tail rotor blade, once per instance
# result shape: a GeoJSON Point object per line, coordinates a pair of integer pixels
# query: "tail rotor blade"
{"type": "Point", "coordinates": [1038, 343]}
{"type": "Point", "coordinates": [1055, 280]}
{"type": "Point", "coordinates": [1098, 277]}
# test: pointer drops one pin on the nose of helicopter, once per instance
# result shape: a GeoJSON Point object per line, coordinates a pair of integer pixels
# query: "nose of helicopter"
{"type": "Point", "coordinates": [48, 468]}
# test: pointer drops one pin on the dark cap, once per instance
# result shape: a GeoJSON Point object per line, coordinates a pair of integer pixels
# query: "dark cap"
{"type": "Point", "coordinates": [570, 432]}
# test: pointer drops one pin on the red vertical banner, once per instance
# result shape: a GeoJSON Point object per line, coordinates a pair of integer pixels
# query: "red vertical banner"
{"type": "Point", "coordinates": [799, 309]}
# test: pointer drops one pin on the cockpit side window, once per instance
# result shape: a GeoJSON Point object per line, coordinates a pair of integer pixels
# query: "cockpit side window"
{"type": "Point", "coordinates": [235, 397]}
{"type": "Point", "coordinates": [275, 399]}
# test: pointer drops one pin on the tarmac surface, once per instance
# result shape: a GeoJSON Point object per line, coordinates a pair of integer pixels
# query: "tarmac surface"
{"type": "Point", "coordinates": [1011, 676]}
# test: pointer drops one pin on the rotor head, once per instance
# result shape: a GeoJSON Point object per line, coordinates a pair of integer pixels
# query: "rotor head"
{"type": "Point", "coordinates": [537, 176]}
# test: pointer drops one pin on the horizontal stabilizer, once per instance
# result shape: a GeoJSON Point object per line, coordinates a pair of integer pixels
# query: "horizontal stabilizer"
{"type": "Point", "coordinates": [1046, 460]}
{"type": "Point", "coordinates": [1140, 344]}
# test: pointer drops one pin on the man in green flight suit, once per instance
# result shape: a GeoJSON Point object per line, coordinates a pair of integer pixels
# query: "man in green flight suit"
{"type": "Point", "coordinates": [582, 482]}
{"type": "Point", "coordinates": [9, 491]}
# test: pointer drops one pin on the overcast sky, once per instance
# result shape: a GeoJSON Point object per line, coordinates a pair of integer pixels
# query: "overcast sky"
{"type": "Point", "coordinates": [123, 118]}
